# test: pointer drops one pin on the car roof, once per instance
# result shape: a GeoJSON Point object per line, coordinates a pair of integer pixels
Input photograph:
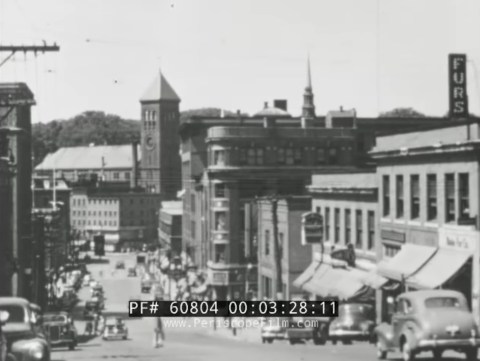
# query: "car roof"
{"type": "Point", "coordinates": [13, 300]}
{"type": "Point", "coordinates": [423, 294]}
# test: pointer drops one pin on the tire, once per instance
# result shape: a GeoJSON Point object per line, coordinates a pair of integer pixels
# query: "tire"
{"type": "Point", "coordinates": [407, 352]}
{"type": "Point", "coordinates": [263, 340]}
{"type": "Point", "coordinates": [292, 342]}
{"type": "Point", "coordinates": [334, 342]}
{"type": "Point", "coordinates": [270, 340]}
{"type": "Point", "coordinates": [471, 354]}
{"type": "Point", "coordinates": [319, 337]}
{"type": "Point", "coordinates": [381, 353]}
{"type": "Point", "coordinates": [71, 346]}
{"type": "Point", "coordinates": [346, 342]}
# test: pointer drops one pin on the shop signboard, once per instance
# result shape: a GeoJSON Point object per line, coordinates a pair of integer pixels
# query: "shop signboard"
{"type": "Point", "coordinates": [457, 69]}
{"type": "Point", "coordinates": [312, 228]}
{"type": "Point", "coordinates": [458, 238]}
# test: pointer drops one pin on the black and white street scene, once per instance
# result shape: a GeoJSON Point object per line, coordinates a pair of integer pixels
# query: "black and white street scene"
{"type": "Point", "coordinates": [240, 150]}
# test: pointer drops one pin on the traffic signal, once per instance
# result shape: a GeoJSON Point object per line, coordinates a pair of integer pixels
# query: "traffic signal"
{"type": "Point", "coordinates": [99, 241]}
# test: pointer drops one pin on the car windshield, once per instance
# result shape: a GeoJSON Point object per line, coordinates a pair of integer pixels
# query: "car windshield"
{"type": "Point", "coordinates": [16, 313]}
{"type": "Point", "coordinates": [443, 302]}
{"type": "Point", "coordinates": [54, 318]}
{"type": "Point", "coordinates": [355, 310]}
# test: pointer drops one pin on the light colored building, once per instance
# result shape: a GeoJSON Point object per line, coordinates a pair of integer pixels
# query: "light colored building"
{"type": "Point", "coordinates": [170, 226]}
{"type": "Point", "coordinates": [429, 210]}
{"type": "Point", "coordinates": [107, 163]}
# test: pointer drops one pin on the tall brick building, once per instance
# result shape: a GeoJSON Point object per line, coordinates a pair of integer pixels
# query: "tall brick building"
{"type": "Point", "coordinates": [160, 119]}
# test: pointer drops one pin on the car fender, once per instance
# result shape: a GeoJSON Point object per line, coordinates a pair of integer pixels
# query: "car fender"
{"type": "Point", "coordinates": [384, 333]}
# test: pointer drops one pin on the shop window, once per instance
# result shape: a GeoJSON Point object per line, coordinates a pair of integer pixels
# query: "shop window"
{"type": "Point", "coordinates": [327, 224]}
{"type": "Point", "coordinates": [332, 156]}
{"type": "Point", "coordinates": [259, 156]}
{"type": "Point", "coordinates": [320, 156]}
{"type": "Point", "coordinates": [414, 196]}
{"type": "Point", "coordinates": [359, 229]}
{"type": "Point", "coordinates": [371, 230]}
{"type": "Point", "coordinates": [399, 196]}
{"type": "Point", "coordinates": [192, 202]}
{"type": "Point", "coordinates": [348, 226]}
{"type": "Point", "coordinates": [267, 287]}
{"type": "Point", "coordinates": [220, 221]}
{"type": "Point", "coordinates": [289, 156]}
{"type": "Point", "coordinates": [116, 175]}
{"type": "Point", "coordinates": [297, 156]}
{"type": "Point", "coordinates": [266, 242]}
{"type": "Point", "coordinates": [251, 156]}
{"type": "Point", "coordinates": [127, 175]}
{"type": "Point", "coordinates": [220, 190]}
{"type": "Point", "coordinates": [281, 155]}
{"type": "Point", "coordinates": [337, 225]}
{"type": "Point", "coordinates": [219, 157]}
{"type": "Point", "coordinates": [450, 197]}
{"type": "Point", "coordinates": [463, 195]}
{"type": "Point", "coordinates": [220, 253]}
{"type": "Point", "coordinates": [431, 197]}
{"type": "Point", "coordinates": [390, 250]}
{"type": "Point", "coordinates": [386, 195]}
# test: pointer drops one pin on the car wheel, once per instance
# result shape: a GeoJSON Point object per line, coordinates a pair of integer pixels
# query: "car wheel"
{"type": "Point", "coordinates": [381, 353]}
{"type": "Point", "coordinates": [263, 340]}
{"type": "Point", "coordinates": [437, 354]}
{"type": "Point", "coordinates": [292, 342]}
{"type": "Point", "coordinates": [71, 346]}
{"type": "Point", "coordinates": [471, 354]}
{"type": "Point", "coordinates": [347, 342]}
{"type": "Point", "coordinates": [407, 352]}
{"type": "Point", "coordinates": [334, 342]}
{"type": "Point", "coordinates": [270, 340]}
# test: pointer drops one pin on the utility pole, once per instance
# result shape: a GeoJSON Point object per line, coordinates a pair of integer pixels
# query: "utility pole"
{"type": "Point", "coordinates": [277, 249]}
{"type": "Point", "coordinates": [27, 49]}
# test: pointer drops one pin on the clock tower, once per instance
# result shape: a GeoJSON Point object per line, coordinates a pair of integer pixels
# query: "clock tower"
{"type": "Point", "coordinates": [160, 165]}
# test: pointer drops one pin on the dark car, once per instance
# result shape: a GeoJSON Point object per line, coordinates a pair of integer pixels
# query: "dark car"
{"type": "Point", "coordinates": [91, 309]}
{"type": "Point", "coordinates": [146, 283]}
{"type": "Point", "coordinates": [120, 265]}
{"type": "Point", "coordinates": [355, 322]}
{"type": "Point", "coordinates": [60, 330]}
{"type": "Point", "coordinates": [301, 329]}
{"type": "Point", "coordinates": [23, 330]}
{"type": "Point", "coordinates": [430, 320]}
{"type": "Point", "coordinates": [132, 272]}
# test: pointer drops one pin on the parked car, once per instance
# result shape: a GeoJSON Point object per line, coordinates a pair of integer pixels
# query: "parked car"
{"type": "Point", "coordinates": [120, 265]}
{"type": "Point", "coordinates": [132, 272]}
{"type": "Point", "coordinates": [3, 341]}
{"type": "Point", "coordinates": [23, 330]}
{"type": "Point", "coordinates": [60, 330]}
{"type": "Point", "coordinates": [431, 320]}
{"type": "Point", "coordinates": [115, 329]}
{"type": "Point", "coordinates": [274, 328]}
{"type": "Point", "coordinates": [301, 329]}
{"type": "Point", "coordinates": [355, 322]}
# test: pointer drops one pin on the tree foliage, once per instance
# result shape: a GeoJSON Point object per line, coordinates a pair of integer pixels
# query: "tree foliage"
{"type": "Point", "coordinates": [94, 127]}
{"type": "Point", "coordinates": [402, 113]}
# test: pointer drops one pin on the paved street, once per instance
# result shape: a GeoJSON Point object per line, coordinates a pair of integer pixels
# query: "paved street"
{"type": "Point", "coordinates": [188, 342]}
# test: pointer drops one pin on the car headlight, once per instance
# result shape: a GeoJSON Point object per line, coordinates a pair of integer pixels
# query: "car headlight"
{"type": "Point", "coordinates": [37, 351]}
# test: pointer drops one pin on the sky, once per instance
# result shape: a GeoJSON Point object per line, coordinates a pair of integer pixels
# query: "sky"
{"type": "Point", "coordinates": [371, 55]}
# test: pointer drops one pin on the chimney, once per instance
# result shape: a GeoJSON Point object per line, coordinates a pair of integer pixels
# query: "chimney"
{"type": "Point", "coordinates": [280, 104]}
{"type": "Point", "coordinates": [134, 177]}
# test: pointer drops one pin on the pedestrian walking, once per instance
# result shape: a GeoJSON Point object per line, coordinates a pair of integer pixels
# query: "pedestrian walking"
{"type": "Point", "coordinates": [88, 328]}
{"type": "Point", "coordinates": [158, 333]}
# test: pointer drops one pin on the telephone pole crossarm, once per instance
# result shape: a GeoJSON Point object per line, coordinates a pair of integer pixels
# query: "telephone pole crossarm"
{"type": "Point", "coordinates": [27, 48]}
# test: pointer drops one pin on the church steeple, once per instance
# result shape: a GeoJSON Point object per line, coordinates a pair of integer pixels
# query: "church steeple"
{"type": "Point", "coordinates": [308, 110]}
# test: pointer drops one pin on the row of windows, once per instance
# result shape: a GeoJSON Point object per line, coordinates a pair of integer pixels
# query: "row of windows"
{"type": "Point", "coordinates": [348, 236]}
{"type": "Point", "coordinates": [284, 156]}
{"type": "Point", "coordinates": [94, 213]}
{"type": "Point", "coordinates": [82, 202]}
{"type": "Point", "coordinates": [431, 196]}
{"type": "Point", "coordinates": [149, 115]}
{"type": "Point", "coordinates": [83, 222]}
{"type": "Point", "coordinates": [267, 246]}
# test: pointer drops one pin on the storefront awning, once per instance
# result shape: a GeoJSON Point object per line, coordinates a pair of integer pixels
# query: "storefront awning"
{"type": "Point", "coordinates": [334, 282]}
{"type": "Point", "coordinates": [406, 262]}
{"type": "Point", "coordinates": [441, 267]}
{"type": "Point", "coordinates": [306, 275]}
{"type": "Point", "coordinates": [374, 280]}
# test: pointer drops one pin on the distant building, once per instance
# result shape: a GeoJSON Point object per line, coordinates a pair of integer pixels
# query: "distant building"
{"type": "Point", "coordinates": [6, 263]}
{"type": "Point", "coordinates": [295, 256]}
{"type": "Point", "coordinates": [126, 219]}
{"type": "Point", "coordinates": [170, 226]}
{"type": "Point", "coordinates": [16, 100]}
{"type": "Point", "coordinates": [160, 120]}
{"type": "Point", "coordinates": [105, 163]}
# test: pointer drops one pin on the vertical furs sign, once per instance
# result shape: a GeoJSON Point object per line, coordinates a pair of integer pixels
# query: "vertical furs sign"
{"type": "Point", "coordinates": [457, 67]}
{"type": "Point", "coordinates": [312, 228]}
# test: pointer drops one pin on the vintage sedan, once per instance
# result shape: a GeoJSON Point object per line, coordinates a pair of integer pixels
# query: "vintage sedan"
{"type": "Point", "coordinates": [60, 330]}
{"type": "Point", "coordinates": [301, 329]}
{"type": "Point", "coordinates": [132, 272]}
{"type": "Point", "coordinates": [23, 331]}
{"type": "Point", "coordinates": [356, 322]}
{"type": "Point", "coordinates": [431, 320]}
{"type": "Point", "coordinates": [274, 328]}
{"type": "Point", "coordinates": [115, 329]}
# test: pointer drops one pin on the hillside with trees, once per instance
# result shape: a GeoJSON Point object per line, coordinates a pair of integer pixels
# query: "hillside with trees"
{"type": "Point", "coordinates": [95, 127]}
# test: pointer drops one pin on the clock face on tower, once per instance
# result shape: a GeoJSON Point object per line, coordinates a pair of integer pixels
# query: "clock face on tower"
{"type": "Point", "coordinates": [149, 142]}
